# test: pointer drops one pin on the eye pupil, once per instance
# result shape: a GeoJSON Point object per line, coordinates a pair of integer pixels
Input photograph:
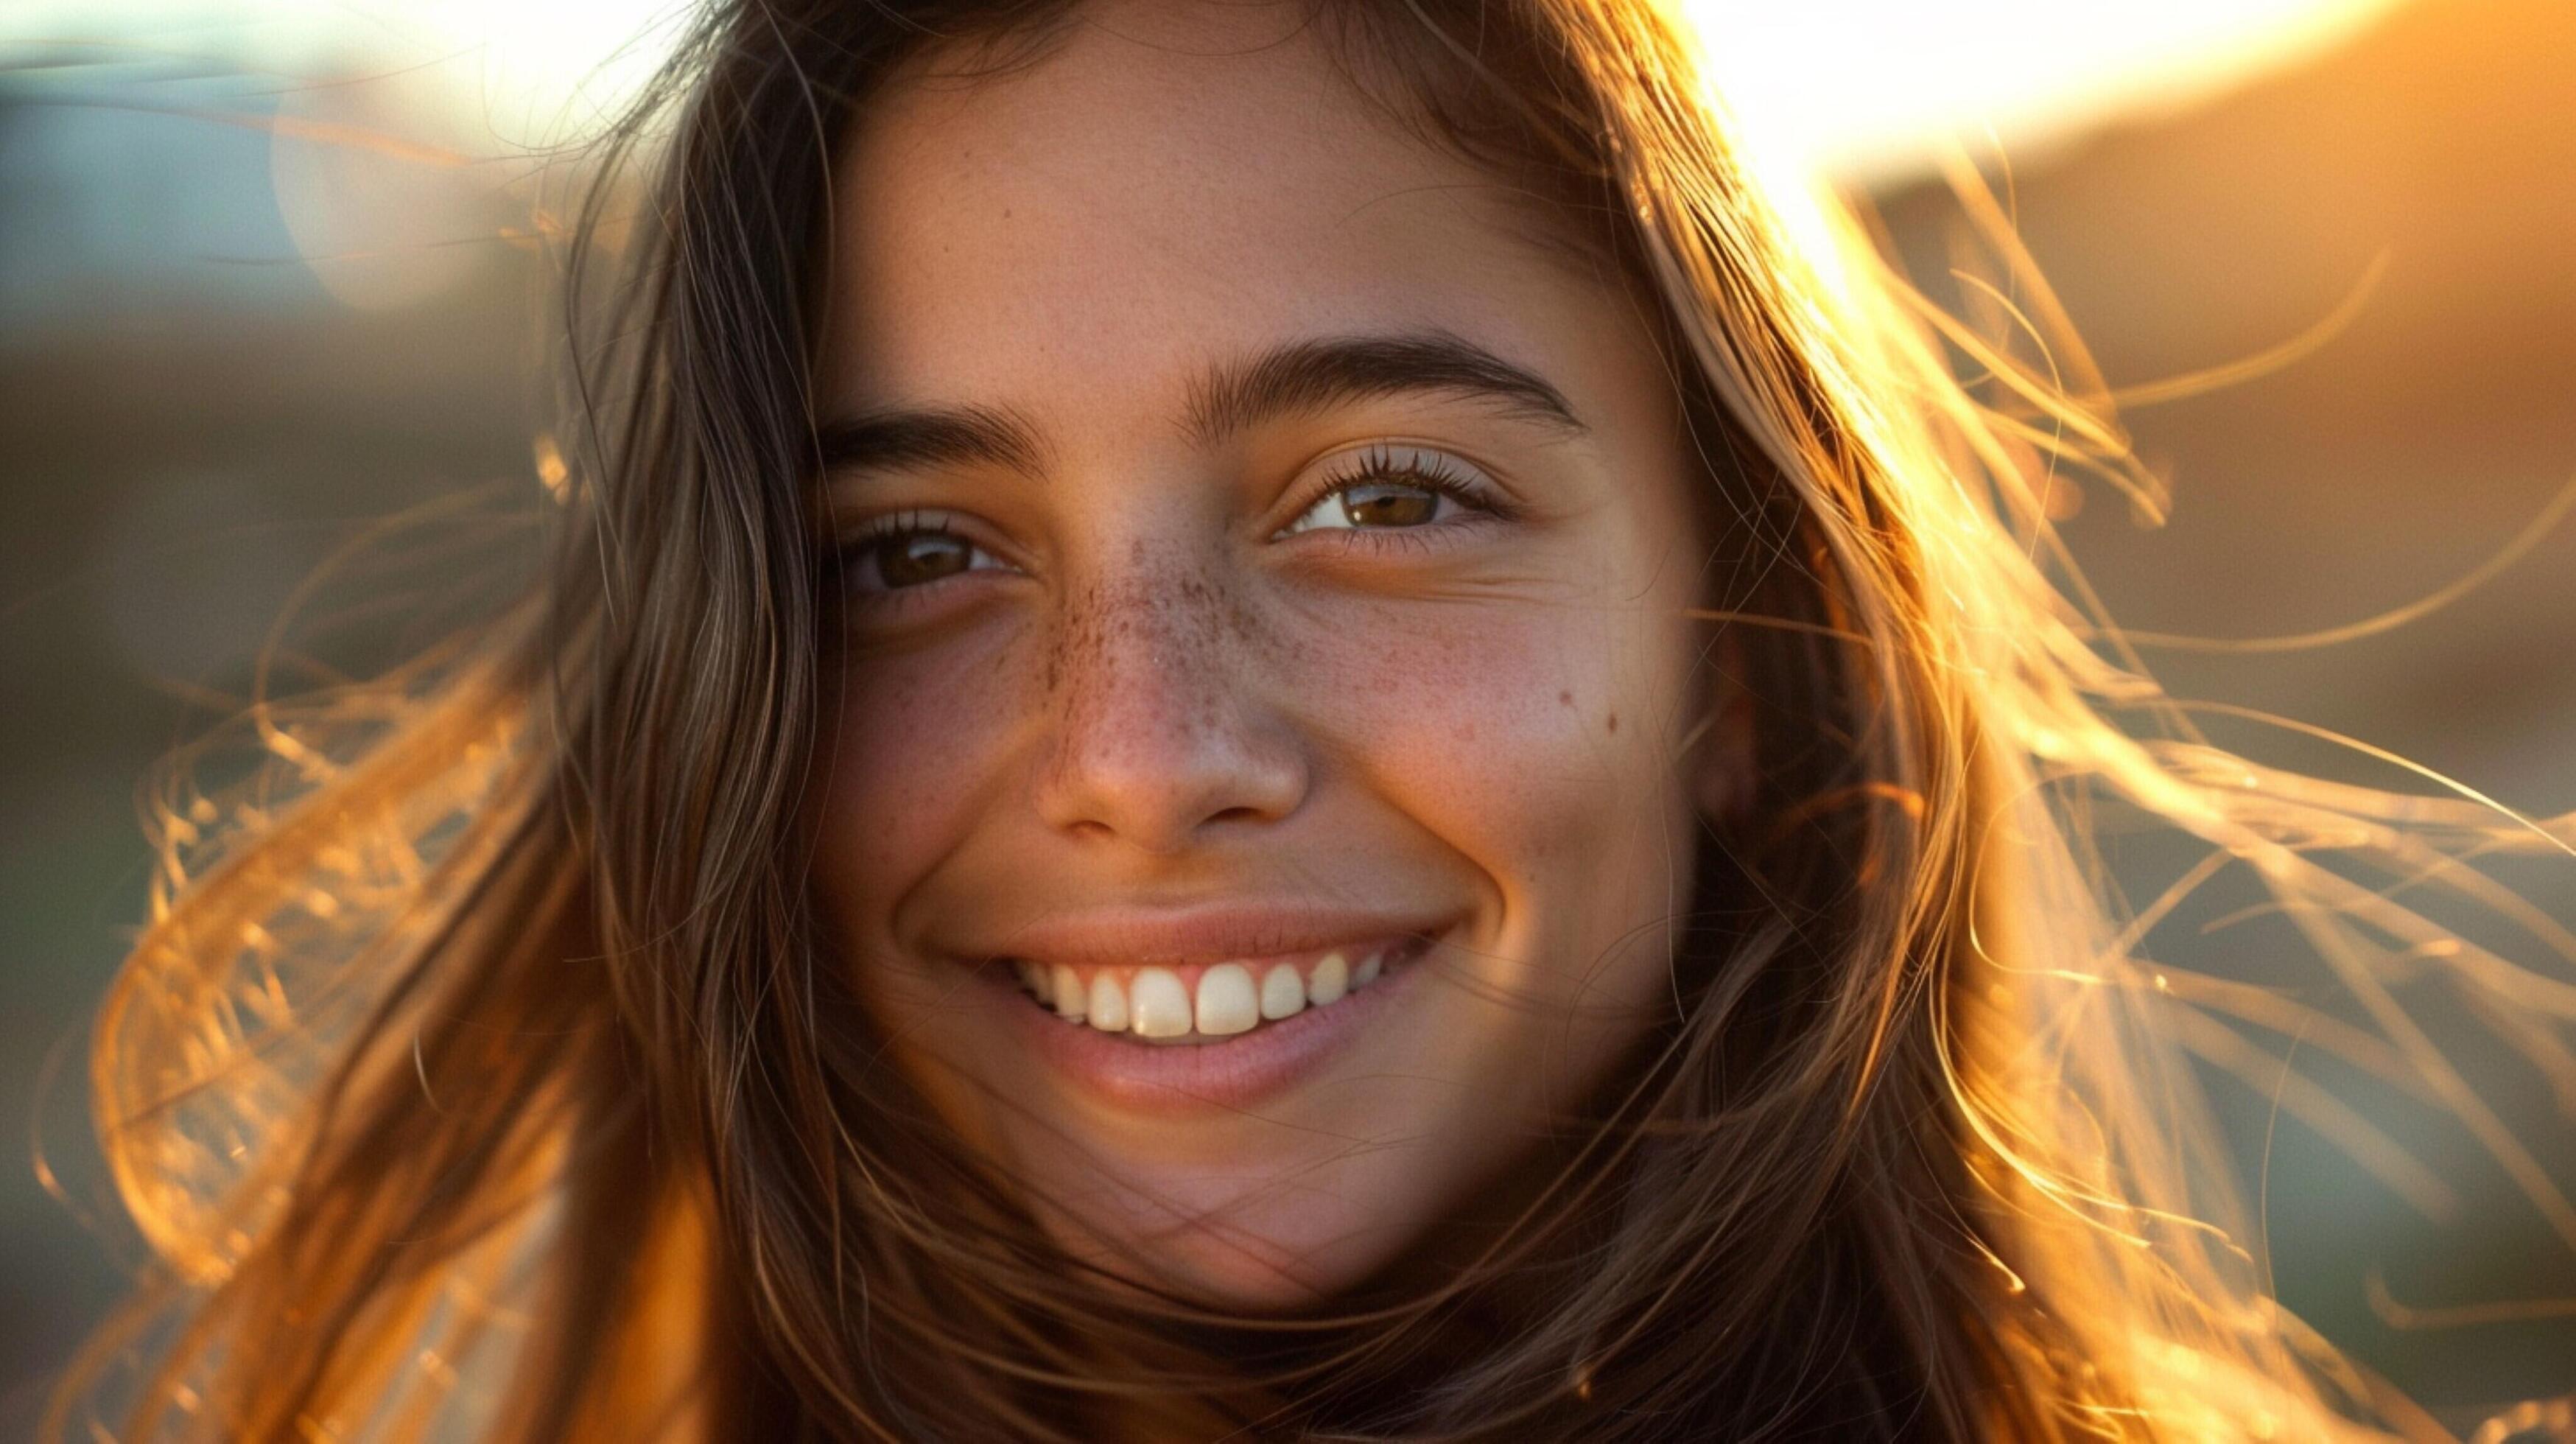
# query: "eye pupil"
{"type": "Point", "coordinates": [1389, 505]}
{"type": "Point", "coordinates": [910, 559]}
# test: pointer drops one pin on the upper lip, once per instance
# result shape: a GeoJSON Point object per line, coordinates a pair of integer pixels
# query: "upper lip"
{"type": "Point", "coordinates": [1178, 937]}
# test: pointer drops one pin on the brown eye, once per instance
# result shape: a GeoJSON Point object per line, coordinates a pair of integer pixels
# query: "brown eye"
{"type": "Point", "coordinates": [1382, 505]}
{"type": "Point", "coordinates": [906, 556]}
{"type": "Point", "coordinates": [908, 559]}
{"type": "Point", "coordinates": [1374, 506]}
{"type": "Point", "coordinates": [1397, 487]}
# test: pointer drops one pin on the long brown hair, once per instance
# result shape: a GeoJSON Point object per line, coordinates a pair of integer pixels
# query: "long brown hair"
{"type": "Point", "coordinates": [484, 1070]}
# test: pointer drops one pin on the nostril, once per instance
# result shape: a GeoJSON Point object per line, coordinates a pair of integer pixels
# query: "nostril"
{"type": "Point", "coordinates": [1150, 752]}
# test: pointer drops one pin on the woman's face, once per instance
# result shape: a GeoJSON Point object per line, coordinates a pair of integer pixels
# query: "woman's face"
{"type": "Point", "coordinates": [1253, 807]}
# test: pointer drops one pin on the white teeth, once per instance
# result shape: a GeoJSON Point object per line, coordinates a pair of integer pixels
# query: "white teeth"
{"type": "Point", "coordinates": [1227, 1003]}
{"type": "Point", "coordinates": [1068, 993]}
{"type": "Point", "coordinates": [1283, 993]}
{"type": "Point", "coordinates": [1157, 1005]}
{"type": "Point", "coordinates": [1331, 979]}
{"type": "Point", "coordinates": [1108, 1004]}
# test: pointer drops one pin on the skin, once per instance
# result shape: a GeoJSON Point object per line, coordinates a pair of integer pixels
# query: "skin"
{"type": "Point", "coordinates": [1147, 692]}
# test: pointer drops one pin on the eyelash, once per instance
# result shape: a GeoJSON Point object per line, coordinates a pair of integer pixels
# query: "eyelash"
{"type": "Point", "coordinates": [1377, 464]}
{"type": "Point", "coordinates": [852, 553]}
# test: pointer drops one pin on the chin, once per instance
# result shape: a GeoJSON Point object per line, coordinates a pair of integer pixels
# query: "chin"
{"type": "Point", "coordinates": [1283, 1253]}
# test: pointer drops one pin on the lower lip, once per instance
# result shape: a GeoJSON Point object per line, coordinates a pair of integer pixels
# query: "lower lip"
{"type": "Point", "coordinates": [1187, 1078]}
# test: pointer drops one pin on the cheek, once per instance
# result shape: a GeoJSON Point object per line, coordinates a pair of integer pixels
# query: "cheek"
{"type": "Point", "coordinates": [911, 756]}
{"type": "Point", "coordinates": [1524, 733]}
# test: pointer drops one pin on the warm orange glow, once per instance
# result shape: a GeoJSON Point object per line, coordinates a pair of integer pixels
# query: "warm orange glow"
{"type": "Point", "coordinates": [1868, 85]}
{"type": "Point", "coordinates": [1862, 86]}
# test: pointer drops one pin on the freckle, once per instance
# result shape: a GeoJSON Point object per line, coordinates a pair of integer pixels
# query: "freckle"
{"type": "Point", "coordinates": [1565, 699]}
{"type": "Point", "coordinates": [1614, 721]}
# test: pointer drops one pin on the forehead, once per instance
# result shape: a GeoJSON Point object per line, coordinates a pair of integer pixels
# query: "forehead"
{"type": "Point", "coordinates": [1173, 180]}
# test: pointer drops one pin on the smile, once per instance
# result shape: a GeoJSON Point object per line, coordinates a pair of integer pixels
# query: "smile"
{"type": "Point", "coordinates": [1209, 1002]}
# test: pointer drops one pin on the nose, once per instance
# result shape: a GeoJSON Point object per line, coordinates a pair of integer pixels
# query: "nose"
{"type": "Point", "coordinates": [1164, 728]}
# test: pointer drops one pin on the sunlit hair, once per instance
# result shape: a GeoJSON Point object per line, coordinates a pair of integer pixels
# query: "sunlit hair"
{"type": "Point", "coordinates": [483, 1069]}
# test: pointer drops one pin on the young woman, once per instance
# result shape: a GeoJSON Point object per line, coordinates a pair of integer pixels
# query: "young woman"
{"type": "Point", "coordinates": [1260, 720]}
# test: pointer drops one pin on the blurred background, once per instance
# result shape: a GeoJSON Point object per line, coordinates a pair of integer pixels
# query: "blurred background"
{"type": "Point", "coordinates": [269, 274]}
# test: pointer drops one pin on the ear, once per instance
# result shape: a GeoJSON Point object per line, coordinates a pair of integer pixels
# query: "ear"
{"type": "Point", "coordinates": [1718, 764]}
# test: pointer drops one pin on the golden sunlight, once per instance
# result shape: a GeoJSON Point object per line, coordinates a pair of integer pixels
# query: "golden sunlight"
{"type": "Point", "coordinates": [1860, 87]}
{"type": "Point", "coordinates": [1864, 88]}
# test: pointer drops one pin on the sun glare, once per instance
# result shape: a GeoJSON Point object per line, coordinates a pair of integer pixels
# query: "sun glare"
{"type": "Point", "coordinates": [1856, 86]}
{"type": "Point", "coordinates": [1865, 87]}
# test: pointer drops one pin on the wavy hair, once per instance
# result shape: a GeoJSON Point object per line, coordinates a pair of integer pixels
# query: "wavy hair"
{"type": "Point", "coordinates": [482, 1069]}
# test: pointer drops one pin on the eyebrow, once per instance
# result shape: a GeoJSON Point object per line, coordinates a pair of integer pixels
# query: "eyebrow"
{"type": "Point", "coordinates": [1304, 376]}
{"type": "Point", "coordinates": [1294, 378]}
{"type": "Point", "coordinates": [928, 438]}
